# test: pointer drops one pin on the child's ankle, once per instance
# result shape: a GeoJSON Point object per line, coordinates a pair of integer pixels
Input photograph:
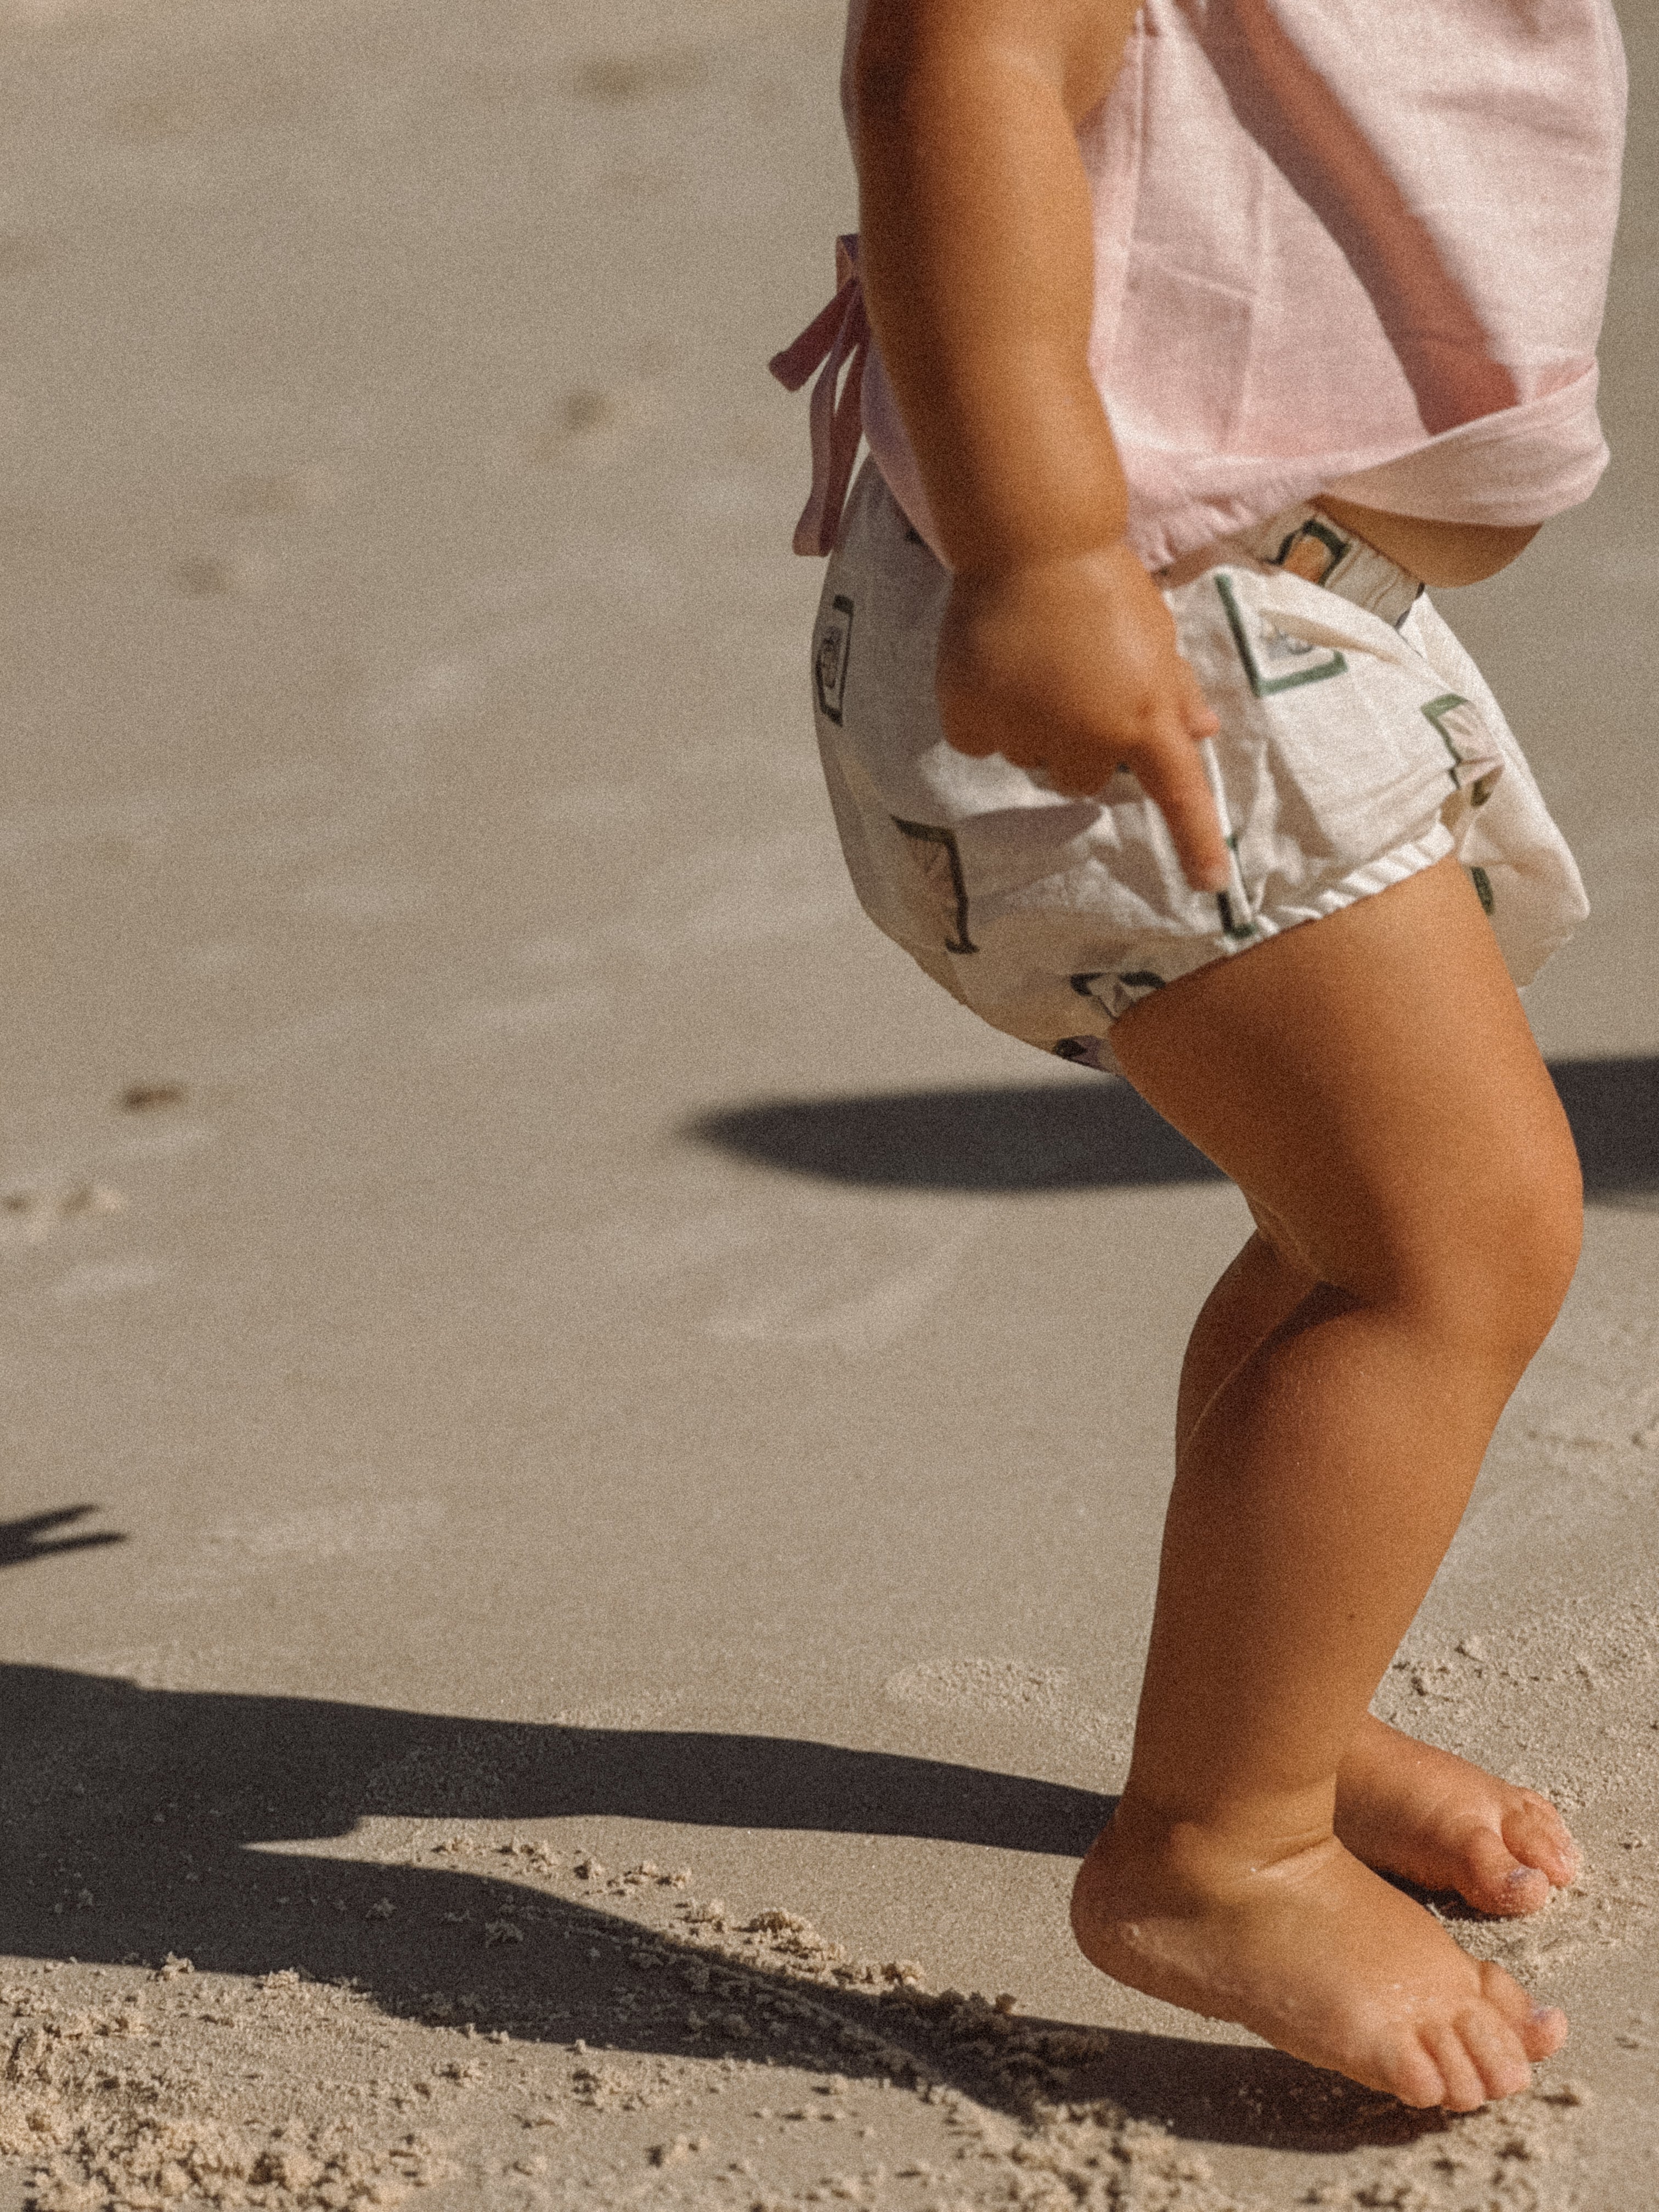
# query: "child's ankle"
{"type": "Point", "coordinates": [1235, 1831]}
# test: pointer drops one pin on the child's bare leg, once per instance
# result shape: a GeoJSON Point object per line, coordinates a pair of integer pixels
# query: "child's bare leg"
{"type": "Point", "coordinates": [1402, 1806]}
{"type": "Point", "coordinates": [1370, 1082]}
{"type": "Point", "coordinates": [1257, 1292]}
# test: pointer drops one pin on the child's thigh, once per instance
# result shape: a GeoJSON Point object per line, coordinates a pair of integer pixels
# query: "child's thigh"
{"type": "Point", "coordinates": [1371, 1083]}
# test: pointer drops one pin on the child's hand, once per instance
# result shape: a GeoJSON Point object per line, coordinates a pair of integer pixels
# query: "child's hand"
{"type": "Point", "coordinates": [1070, 665]}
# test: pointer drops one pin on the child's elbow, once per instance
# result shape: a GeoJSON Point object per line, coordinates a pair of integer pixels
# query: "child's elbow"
{"type": "Point", "coordinates": [888, 63]}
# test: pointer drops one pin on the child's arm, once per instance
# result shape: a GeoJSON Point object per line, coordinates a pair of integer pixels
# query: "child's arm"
{"type": "Point", "coordinates": [978, 262]}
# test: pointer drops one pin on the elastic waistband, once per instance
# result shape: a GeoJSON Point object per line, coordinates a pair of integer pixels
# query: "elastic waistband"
{"type": "Point", "coordinates": [1305, 542]}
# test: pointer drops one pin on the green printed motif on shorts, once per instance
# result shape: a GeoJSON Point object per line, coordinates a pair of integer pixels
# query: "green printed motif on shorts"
{"type": "Point", "coordinates": [1438, 711]}
{"type": "Point", "coordinates": [1275, 645]}
{"type": "Point", "coordinates": [1231, 926]}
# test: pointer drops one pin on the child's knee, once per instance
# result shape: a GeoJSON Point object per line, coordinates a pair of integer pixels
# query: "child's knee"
{"type": "Point", "coordinates": [1483, 1272]}
{"type": "Point", "coordinates": [1529, 1256]}
{"type": "Point", "coordinates": [1491, 1279]}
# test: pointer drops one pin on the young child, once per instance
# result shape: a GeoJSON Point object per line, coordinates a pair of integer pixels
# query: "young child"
{"type": "Point", "coordinates": [1208, 331]}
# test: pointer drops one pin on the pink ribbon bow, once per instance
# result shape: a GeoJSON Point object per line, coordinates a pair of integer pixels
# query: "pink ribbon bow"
{"type": "Point", "coordinates": [838, 338]}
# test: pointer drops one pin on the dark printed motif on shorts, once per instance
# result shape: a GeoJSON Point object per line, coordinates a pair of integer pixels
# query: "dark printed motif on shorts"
{"type": "Point", "coordinates": [940, 867]}
{"type": "Point", "coordinates": [1273, 659]}
{"type": "Point", "coordinates": [829, 660]}
{"type": "Point", "coordinates": [1116, 991]}
{"type": "Point", "coordinates": [1453, 717]}
{"type": "Point", "coordinates": [1086, 1052]}
{"type": "Point", "coordinates": [1312, 551]}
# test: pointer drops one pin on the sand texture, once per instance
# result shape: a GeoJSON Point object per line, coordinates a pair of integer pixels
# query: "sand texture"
{"type": "Point", "coordinates": [585, 1453]}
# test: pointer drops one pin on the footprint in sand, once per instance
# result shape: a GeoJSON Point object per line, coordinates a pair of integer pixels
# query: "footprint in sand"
{"type": "Point", "coordinates": [29, 1216]}
{"type": "Point", "coordinates": [155, 118]}
{"type": "Point", "coordinates": [508, 1019]}
{"type": "Point", "coordinates": [587, 421]}
{"type": "Point", "coordinates": [304, 490]}
{"type": "Point", "coordinates": [349, 1530]}
{"type": "Point", "coordinates": [1011, 1686]}
{"type": "Point", "coordinates": [243, 570]}
{"type": "Point", "coordinates": [220, 576]}
{"type": "Point", "coordinates": [591, 421]}
{"type": "Point", "coordinates": [624, 80]}
{"type": "Point", "coordinates": [587, 410]}
{"type": "Point", "coordinates": [237, 96]}
{"type": "Point", "coordinates": [365, 898]}
{"type": "Point", "coordinates": [109, 1279]}
{"type": "Point", "coordinates": [22, 254]}
{"type": "Point", "coordinates": [150, 1098]}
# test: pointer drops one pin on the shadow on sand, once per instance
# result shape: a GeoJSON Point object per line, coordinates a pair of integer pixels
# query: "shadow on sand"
{"type": "Point", "coordinates": [1100, 1135]}
{"type": "Point", "coordinates": [32, 1538]}
{"type": "Point", "coordinates": [148, 1822]}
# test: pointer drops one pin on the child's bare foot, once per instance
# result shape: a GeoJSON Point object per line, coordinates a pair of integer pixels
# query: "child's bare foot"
{"type": "Point", "coordinates": [1406, 1809]}
{"type": "Point", "coordinates": [1311, 1951]}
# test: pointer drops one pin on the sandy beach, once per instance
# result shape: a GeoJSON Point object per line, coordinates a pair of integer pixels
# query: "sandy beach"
{"type": "Point", "coordinates": [585, 1452]}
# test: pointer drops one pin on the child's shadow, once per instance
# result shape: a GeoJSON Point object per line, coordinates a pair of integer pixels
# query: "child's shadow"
{"type": "Point", "coordinates": [38, 1536]}
{"type": "Point", "coordinates": [1098, 1134]}
{"type": "Point", "coordinates": [137, 1818]}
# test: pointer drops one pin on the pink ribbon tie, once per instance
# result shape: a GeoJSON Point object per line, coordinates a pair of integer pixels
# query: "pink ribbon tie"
{"type": "Point", "coordinates": [837, 338]}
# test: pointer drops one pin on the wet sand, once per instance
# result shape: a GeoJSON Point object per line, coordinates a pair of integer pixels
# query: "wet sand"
{"type": "Point", "coordinates": [585, 1452]}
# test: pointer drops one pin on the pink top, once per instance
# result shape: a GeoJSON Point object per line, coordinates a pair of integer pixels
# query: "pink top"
{"type": "Point", "coordinates": [1339, 247]}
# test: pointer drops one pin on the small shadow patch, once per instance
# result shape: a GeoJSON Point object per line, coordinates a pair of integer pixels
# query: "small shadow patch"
{"type": "Point", "coordinates": [1098, 1136]}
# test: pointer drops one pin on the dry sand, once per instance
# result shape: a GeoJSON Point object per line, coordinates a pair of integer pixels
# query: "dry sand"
{"type": "Point", "coordinates": [536, 1344]}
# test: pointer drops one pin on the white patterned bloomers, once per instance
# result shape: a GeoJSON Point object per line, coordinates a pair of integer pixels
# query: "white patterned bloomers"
{"type": "Point", "coordinates": [1358, 743]}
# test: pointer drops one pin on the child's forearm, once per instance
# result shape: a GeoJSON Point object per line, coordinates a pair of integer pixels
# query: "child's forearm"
{"type": "Point", "coordinates": [1056, 649]}
{"type": "Point", "coordinates": [978, 260]}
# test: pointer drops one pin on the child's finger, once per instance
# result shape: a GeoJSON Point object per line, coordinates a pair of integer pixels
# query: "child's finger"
{"type": "Point", "coordinates": [1202, 720]}
{"type": "Point", "coordinates": [1173, 777]}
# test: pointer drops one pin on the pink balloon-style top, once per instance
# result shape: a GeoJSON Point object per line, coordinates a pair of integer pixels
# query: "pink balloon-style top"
{"type": "Point", "coordinates": [1340, 247]}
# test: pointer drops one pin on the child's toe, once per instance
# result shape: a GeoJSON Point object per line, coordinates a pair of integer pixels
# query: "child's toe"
{"type": "Point", "coordinates": [1540, 2029]}
{"type": "Point", "coordinates": [1410, 2074]}
{"type": "Point", "coordinates": [1498, 1881]}
{"type": "Point", "coordinates": [1535, 1832]}
{"type": "Point", "coordinates": [1545, 2031]}
{"type": "Point", "coordinates": [1495, 2052]}
{"type": "Point", "coordinates": [1465, 2091]}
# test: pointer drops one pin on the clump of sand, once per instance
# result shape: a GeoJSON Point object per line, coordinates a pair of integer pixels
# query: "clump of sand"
{"type": "Point", "coordinates": [100, 2118]}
